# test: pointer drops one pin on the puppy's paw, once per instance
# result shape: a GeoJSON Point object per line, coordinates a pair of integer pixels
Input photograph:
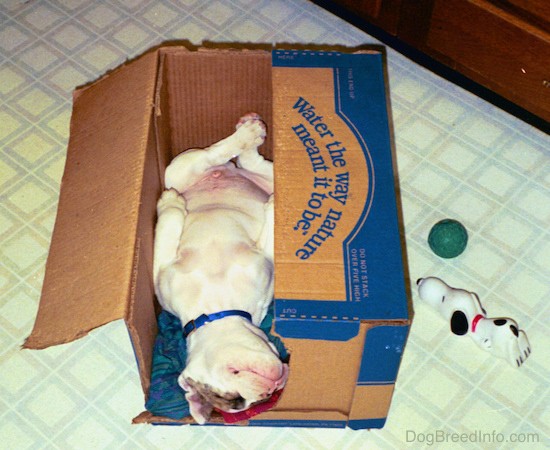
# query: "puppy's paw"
{"type": "Point", "coordinates": [246, 118]}
{"type": "Point", "coordinates": [170, 198]}
{"type": "Point", "coordinates": [251, 131]}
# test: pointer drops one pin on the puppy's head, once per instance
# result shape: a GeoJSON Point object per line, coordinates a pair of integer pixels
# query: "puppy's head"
{"type": "Point", "coordinates": [244, 370]}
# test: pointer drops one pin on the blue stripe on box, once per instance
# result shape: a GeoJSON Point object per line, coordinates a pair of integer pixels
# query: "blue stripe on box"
{"type": "Point", "coordinates": [364, 424]}
{"type": "Point", "coordinates": [298, 423]}
{"type": "Point", "coordinates": [383, 349]}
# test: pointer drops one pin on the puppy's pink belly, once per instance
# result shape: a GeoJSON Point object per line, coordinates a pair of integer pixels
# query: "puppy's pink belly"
{"type": "Point", "coordinates": [225, 187]}
{"type": "Point", "coordinates": [221, 175]}
{"type": "Point", "coordinates": [218, 179]}
{"type": "Point", "coordinates": [223, 179]}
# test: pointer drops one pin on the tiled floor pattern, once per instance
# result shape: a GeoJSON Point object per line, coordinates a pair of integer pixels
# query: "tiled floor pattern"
{"type": "Point", "coordinates": [457, 156]}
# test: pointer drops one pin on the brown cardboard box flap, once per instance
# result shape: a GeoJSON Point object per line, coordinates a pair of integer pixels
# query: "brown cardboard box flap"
{"type": "Point", "coordinates": [90, 263]}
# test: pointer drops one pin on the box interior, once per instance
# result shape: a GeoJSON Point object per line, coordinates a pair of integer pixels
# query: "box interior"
{"type": "Point", "coordinates": [196, 104]}
{"type": "Point", "coordinates": [206, 92]}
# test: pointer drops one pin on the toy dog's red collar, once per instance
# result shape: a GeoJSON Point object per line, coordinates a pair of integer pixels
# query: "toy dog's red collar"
{"type": "Point", "coordinates": [477, 318]}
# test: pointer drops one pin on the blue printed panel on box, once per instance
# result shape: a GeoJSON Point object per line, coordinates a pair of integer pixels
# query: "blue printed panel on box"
{"type": "Point", "coordinates": [338, 250]}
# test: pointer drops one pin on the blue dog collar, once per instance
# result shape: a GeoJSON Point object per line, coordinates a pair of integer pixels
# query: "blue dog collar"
{"type": "Point", "coordinates": [203, 319]}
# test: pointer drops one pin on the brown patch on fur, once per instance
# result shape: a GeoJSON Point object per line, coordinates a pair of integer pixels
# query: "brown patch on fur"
{"type": "Point", "coordinates": [224, 401]}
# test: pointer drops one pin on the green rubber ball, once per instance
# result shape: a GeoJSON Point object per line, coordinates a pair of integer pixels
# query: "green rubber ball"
{"type": "Point", "coordinates": [448, 238]}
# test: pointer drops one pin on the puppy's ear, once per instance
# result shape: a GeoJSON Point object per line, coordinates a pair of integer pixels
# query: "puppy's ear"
{"type": "Point", "coordinates": [200, 409]}
{"type": "Point", "coordinates": [183, 383]}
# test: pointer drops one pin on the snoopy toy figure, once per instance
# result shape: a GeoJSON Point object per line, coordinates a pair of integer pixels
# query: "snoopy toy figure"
{"type": "Point", "coordinates": [500, 336]}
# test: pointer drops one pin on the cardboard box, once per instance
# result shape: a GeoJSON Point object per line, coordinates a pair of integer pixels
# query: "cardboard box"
{"type": "Point", "coordinates": [341, 303]}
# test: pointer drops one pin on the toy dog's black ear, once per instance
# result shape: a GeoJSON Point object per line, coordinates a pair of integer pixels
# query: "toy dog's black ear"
{"type": "Point", "coordinates": [459, 323]}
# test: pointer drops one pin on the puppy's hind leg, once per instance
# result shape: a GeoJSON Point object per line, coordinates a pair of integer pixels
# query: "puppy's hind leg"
{"type": "Point", "coordinates": [250, 159]}
{"type": "Point", "coordinates": [188, 167]}
{"type": "Point", "coordinates": [171, 214]}
{"type": "Point", "coordinates": [266, 239]}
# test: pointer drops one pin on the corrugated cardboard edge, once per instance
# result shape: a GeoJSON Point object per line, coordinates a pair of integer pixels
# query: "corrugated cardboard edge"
{"type": "Point", "coordinates": [281, 418]}
{"type": "Point", "coordinates": [397, 188]}
{"type": "Point", "coordinates": [150, 418]}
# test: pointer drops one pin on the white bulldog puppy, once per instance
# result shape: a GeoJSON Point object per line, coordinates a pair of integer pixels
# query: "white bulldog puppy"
{"type": "Point", "coordinates": [462, 309]}
{"type": "Point", "coordinates": [213, 268]}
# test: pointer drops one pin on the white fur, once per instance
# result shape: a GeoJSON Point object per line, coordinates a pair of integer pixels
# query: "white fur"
{"type": "Point", "coordinates": [214, 252]}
